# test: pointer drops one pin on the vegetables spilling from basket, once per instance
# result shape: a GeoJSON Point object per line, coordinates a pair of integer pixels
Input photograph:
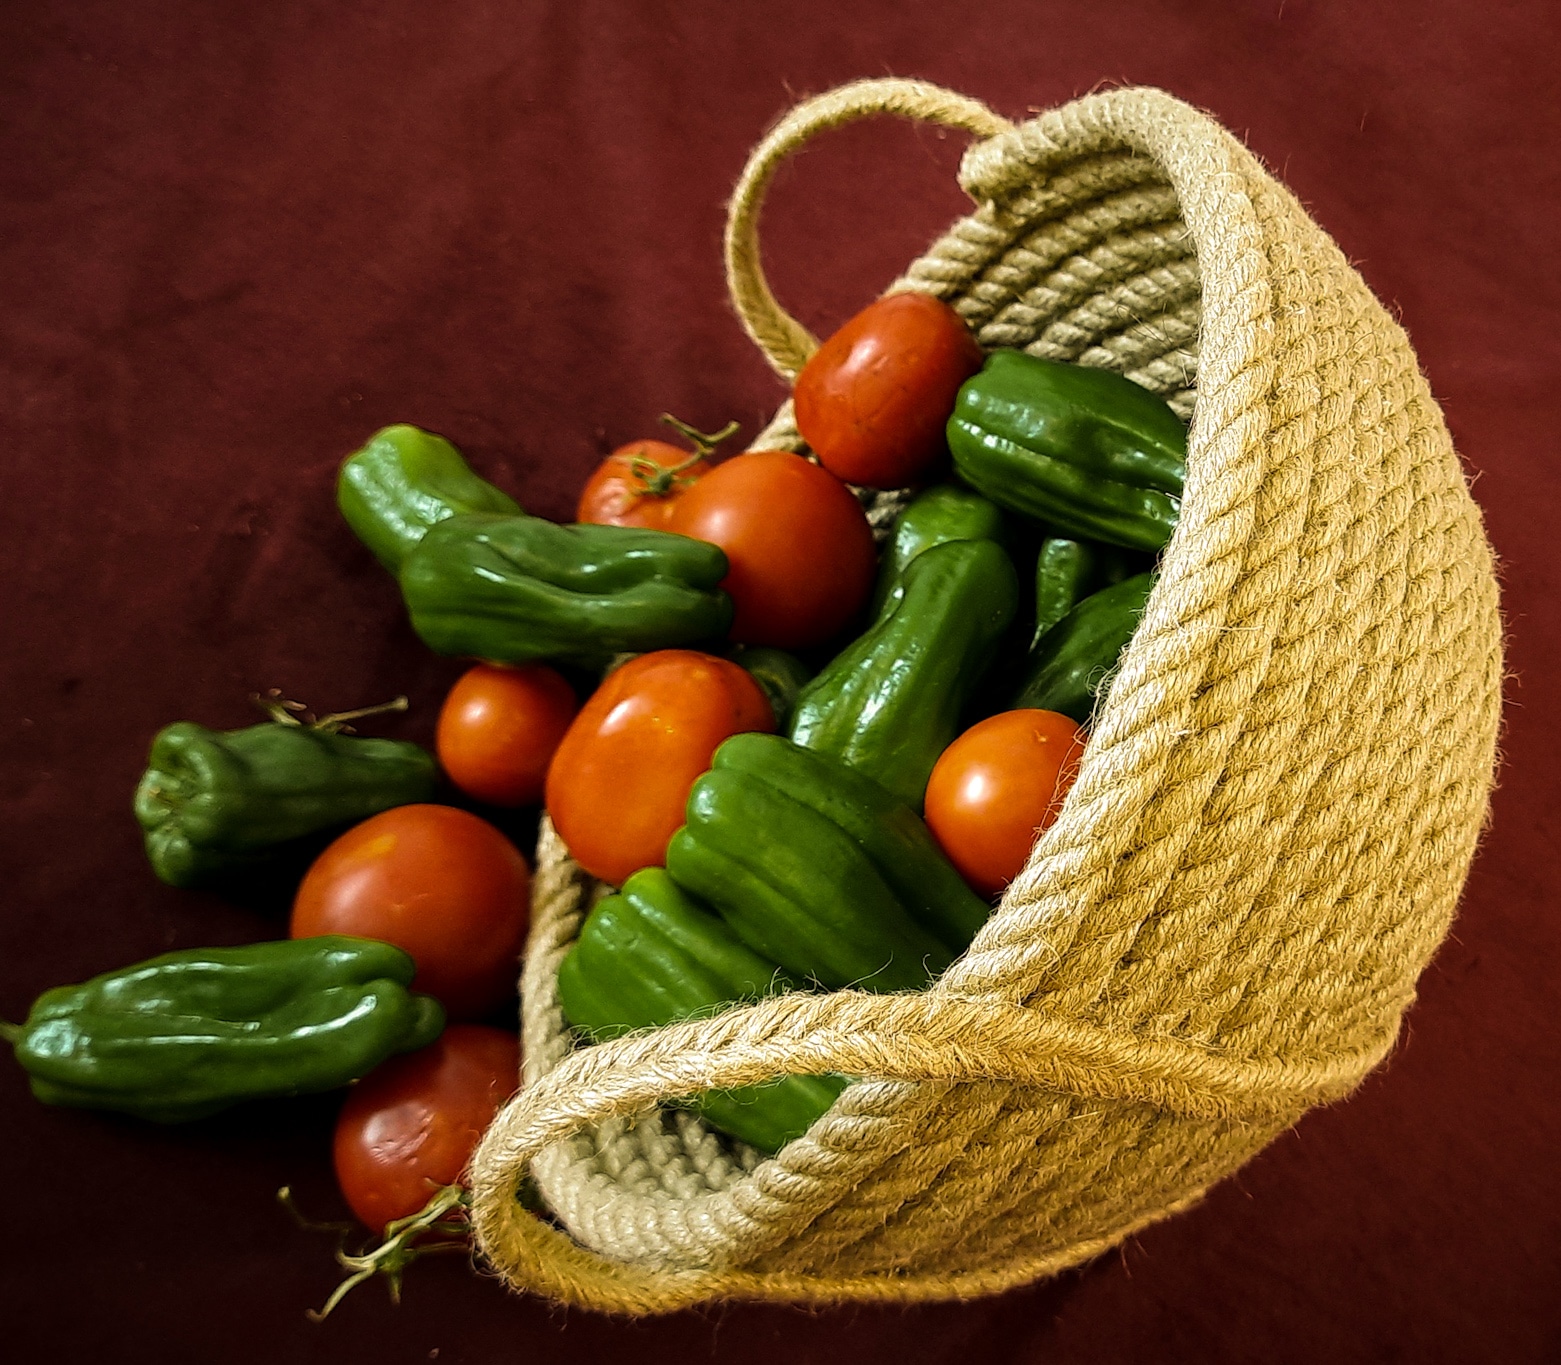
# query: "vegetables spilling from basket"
{"type": "Point", "coordinates": [802, 764]}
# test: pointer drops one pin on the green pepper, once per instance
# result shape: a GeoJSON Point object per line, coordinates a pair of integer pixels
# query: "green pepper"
{"type": "Point", "coordinates": [513, 589]}
{"type": "Point", "coordinates": [1084, 450]}
{"type": "Point", "coordinates": [1063, 569]}
{"type": "Point", "coordinates": [187, 1034]}
{"type": "Point", "coordinates": [1072, 664]}
{"type": "Point", "coordinates": [891, 702]}
{"type": "Point", "coordinates": [651, 955]}
{"type": "Point", "coordinates": [404, 481]}
{"type": "Point", "coordinates": [887, 830]}
{"type": "Point", "coordinates": [782, 676]}
{"type": "Point", "coordinates": [934, 516]}
{"type": "Point", "coordinates": [797, 888]}
{"type": "Point", "coordinates": [215, 804]}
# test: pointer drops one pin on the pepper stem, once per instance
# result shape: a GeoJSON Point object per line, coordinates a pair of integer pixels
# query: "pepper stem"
{"type": "Point", "coordinates": [442, 1215]}
{"type": "Point", "coordinates": [285, 712]}
{"type": "Point", "coordinates": [12, 1033]}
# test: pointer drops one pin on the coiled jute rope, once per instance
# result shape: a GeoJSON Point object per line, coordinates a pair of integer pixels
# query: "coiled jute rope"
{"type": "Point", "coordinates": [1272, 823]}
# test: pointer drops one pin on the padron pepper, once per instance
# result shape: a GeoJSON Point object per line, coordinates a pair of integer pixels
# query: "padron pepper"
{"type": "Point", "coordinates": [1063, 570]}
{"type": "Point", "coordinates": [944, 512]}
{"type": "Point", "coordinates": [795, 886]}
{"type": "Point", "coordinates": [1072, 664]}
{"type": "Point", "coordinates": [651, 955]}
{"type": "Point", "coordinates": [187, 1034]}
{"type": "Point", "coordinates": [780, 674]}
{"type": "Point", "coordinates": [405, 480]}
{"type": "Point", "coordinates": [891, 702]}
{"type": "Point", "coordinates": [1083, 450]}
{"type": "Point", "coordinates": [895, 839]}
{"type": "Point", "coordinates": [214, 804]}
{"type": "Point", "coordinates": [514, 589]}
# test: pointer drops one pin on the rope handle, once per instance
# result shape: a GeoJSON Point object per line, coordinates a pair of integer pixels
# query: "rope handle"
{"type": "Point", "coordinates": [786, 343]}
{"type": "Point", "coordinates": [927, 1036]}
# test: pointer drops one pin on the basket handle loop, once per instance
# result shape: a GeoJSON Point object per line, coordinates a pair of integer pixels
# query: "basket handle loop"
{"type": "Point", "coordinates": [786, 343]}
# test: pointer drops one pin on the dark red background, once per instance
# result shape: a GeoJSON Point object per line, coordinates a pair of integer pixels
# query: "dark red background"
{"type": "Point", "coordinates": [238, 238]}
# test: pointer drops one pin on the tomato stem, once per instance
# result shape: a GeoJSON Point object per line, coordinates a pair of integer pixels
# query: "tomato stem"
{"type": "Point", "coordinates": [658, 481]}
{"type": "Point", "coordinates": [442, 1216]}
{"type": "Point", "coordinates": [285, 712]}
{"type": "Point", "coordinates": [704, 442]}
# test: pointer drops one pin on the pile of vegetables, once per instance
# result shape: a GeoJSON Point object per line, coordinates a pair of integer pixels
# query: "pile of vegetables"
{"type": "Point", "coordinates": [799, 763]}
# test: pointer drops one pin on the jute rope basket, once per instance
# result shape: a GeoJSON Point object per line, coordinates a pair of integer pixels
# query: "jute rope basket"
{"type": "Point", "coordinates": [1273, 821]}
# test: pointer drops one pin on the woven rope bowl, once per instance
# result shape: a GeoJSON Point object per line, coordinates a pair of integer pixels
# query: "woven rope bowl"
{"type": "Point", "coordinates": [1273, 820]}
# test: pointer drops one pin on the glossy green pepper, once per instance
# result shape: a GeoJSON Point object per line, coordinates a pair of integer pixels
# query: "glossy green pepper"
{"type": "Point", "coordinates": [514, 589]}
{"type": "Point", "coordinates": [187, 1034]}
{"type": "Point", "coordinates": [1072, 664]}
{"type": "Point", "coordinates": [651, 955]}
{"type": "Point", "coordinates": [219, 803]}
{"type": "Point", "coordinates": [1084, 450]}
{"type": "Point", "coordinates": [892, 701]}
{"type": "Point", "coordinates": [1063, 570]}
{"type": "Point", "coordinates": [404, 481]}
{"type": "Point", "coordinates": [934, 516]}
{"type": "Point", "coordinates": [889, 832]}
{"type": "Point", "coordinates": [797, 888]}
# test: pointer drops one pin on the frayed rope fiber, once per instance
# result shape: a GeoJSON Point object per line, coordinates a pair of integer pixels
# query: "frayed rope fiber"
{"type": "Point", "coordinates": [1270, 830]}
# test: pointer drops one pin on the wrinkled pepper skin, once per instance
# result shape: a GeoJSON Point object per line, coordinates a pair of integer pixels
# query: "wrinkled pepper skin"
{"type": "Point", "coordinates": [1084, 450]}
{"type": "Point", "coordinates": [892, 835]}
{"type": "Point", "coordinates": [221, 803]}
{"type": "Point", "coordinates": [798, 889]}
{"type": "Point", "coordinates": [187, 1034]}
{"type": "Point", "coordinates": [1071, 665]}
{"type": "Point", "coordinates": [890, 703]}
{"type": "Point", "coordinates": [934, 516]}
{"type": "Point", "coordinates": [404, 481]}
{"type": "Point", "coordinates": [514, 589]}
{"type": "Point", "coordinates": [651, 955]}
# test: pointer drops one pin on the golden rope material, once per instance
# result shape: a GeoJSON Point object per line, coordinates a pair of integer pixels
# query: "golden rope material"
{"type": "Point", "coordinates": [786, 343]}
{"type": "Point", "coordinates": [1272, 822]}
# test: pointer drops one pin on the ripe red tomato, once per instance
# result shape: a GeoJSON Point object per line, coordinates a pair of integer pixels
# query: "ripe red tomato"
{"type": "Point", "coordinates": [800, 547]}
{"type": "Point", "coordinates": [997, 787]}
{"type": "Point", "coordinates": [498, 729]}
{"type": "Point", "coordinates": [620, 780]}
{"type": "Point", "coordinates": [639, 485]}
{"type": "Point", "coordinates": [438, 882]}
{"type": "Point", "coordinates": [411, 1125]}
{"type": "Point", "coordinates": [874, 399]}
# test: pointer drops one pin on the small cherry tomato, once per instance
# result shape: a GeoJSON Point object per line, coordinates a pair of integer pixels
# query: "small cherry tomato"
{"type": "Point", "coordinates": [873, 400]}
{"type": "Point", "coordinates": [440, 883]}
{"type": "Point", "coordinates": [411, 1125]}
{"type": "Point", "coordinates": [639, 484]}
{"type": "Point", "coordinates": [498, 729]}
{"type": "Point", "coordinates": [996, 787]}
{"type": "Point", "coordinates": [620, 780]}
{"type": "Point", "coordinates": [800, 546]}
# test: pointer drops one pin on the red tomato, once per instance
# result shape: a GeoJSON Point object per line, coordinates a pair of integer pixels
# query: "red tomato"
{"type": "Point", "coordinates": [874, 399]}
{"type": "Point", "coordinates": [997, 787]}
{"type": "Point", "coordinates": [800, 547]}
{"type": "Point", "coordinates": [639, 485]}
{"type": "Point", "coordinates": [620, 780]}
{"type": "Point", "coordinates": [498, 729]}
{"type": "Point", "coordinates": [412, 1124]}
{"type": "Point", "coordinates": [438, 882]}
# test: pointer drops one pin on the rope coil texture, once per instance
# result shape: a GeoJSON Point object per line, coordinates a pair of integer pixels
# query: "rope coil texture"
{"type": "Point", "coordinates": [1273, 820]}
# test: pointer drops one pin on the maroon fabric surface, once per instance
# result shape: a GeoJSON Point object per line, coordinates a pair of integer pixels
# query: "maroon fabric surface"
{"type": "Point", "coordinates": [234, 240]}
